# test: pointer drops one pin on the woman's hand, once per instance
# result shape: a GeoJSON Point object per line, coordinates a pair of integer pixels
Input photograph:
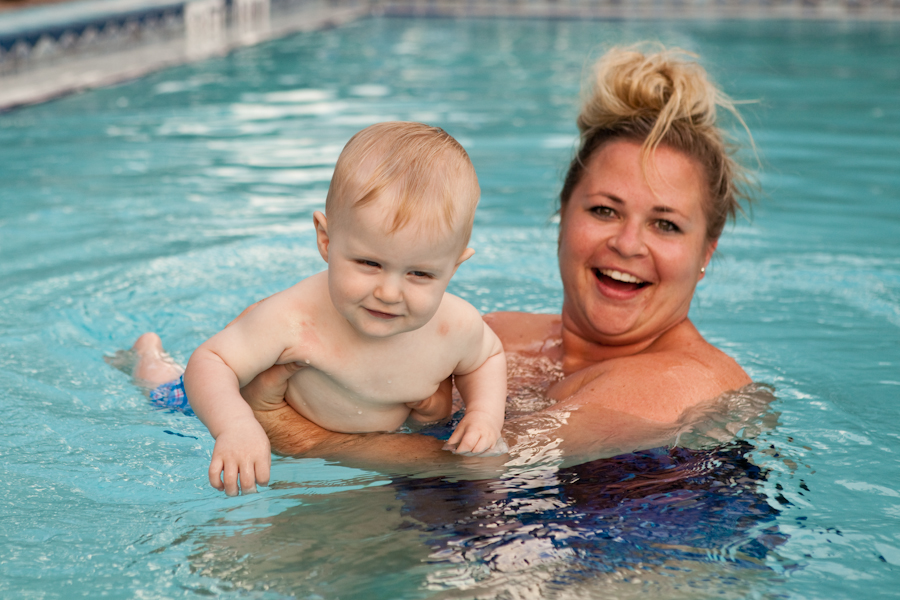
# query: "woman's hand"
{"type": "Point", "coordinates": [266, 391]}
{"type": "Point", "coordinates": [437, 407]}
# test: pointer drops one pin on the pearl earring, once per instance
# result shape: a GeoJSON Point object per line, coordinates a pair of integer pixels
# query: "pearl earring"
{"type": "Point", "coordinates": [702, 270]}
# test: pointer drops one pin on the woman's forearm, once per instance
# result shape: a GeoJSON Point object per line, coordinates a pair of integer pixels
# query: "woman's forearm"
{"type": "Point", "coordinates": [396, 453]}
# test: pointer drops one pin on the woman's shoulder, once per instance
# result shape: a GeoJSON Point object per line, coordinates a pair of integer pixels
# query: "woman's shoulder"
{"type": "Point", "coordinates": [678, 371]}
{"type": "Point", "coordinates": [525, 332]}
{"type": "Point", "coordinates": [685, 346]}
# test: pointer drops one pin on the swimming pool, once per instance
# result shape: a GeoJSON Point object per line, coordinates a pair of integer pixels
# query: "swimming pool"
{"type": "Point", "coordinates": [172, 202]}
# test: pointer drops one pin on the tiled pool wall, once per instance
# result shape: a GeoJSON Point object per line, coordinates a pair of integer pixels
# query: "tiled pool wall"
{"type": "Point", "coordinates": [51, 50]}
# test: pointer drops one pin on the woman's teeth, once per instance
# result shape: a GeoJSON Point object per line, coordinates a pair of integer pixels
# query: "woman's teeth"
{"type": "Point", "coordinates": [619, 276]}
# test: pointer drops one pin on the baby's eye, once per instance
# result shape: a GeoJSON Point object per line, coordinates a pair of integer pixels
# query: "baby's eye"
{"type": "Point", "coordinates": [667, 226]}
{"type": "Point", "coordinates": [421, 274]}
{"type": "Point", "coordinates": [368, 263]}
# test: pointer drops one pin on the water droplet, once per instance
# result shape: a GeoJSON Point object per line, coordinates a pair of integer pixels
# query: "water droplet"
{"type": "Point", "coordinates": [389, 380]}
{"type": "Point", "coordinates": [307, 361]}
{"type": "Point", "coordinates": [359, 412]}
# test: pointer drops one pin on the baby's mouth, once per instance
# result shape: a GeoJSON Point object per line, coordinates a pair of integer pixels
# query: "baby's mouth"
{"type": "Point", "coordinates": [381, 315]}
{"type": "Point", "coordinates": [618, 280]}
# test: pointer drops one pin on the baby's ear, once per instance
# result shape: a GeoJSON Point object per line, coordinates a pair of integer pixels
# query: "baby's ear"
{"type": "Point", "coordinates": [322, 240]}
{"type": "Point", "coordinates": [466, 255]}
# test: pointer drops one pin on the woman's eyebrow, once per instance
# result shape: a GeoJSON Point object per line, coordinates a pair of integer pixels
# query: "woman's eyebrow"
{"type": "Point", "coordinates": [608, 196]}
{"type": "Point", "coordinates": [667, 210]}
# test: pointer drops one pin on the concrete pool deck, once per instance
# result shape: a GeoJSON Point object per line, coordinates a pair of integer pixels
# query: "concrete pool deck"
{"type": "Point", "coordinates": [50, 48]}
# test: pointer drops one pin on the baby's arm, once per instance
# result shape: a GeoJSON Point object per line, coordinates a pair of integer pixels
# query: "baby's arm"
{"type": "Point", "coordinates": [212, 380]}
{"type": "Point", "coordinates": [482, 386]}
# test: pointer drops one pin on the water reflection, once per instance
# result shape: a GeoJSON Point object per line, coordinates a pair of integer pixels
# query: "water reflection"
{"type": "Point", "coordinates": [674, 521]}
{"type": "Point", "coordinates": [664, 520]}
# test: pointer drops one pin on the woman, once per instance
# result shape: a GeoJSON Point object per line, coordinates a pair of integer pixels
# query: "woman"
{"type": "Point", "coordinates": [642, 207]}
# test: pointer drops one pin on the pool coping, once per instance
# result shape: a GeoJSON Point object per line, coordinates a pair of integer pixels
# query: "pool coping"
{"type": "Point", "coordinates": [48, 51]}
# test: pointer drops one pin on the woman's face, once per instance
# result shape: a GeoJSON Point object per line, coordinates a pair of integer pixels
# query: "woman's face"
{"type": "Point", "coordinates": [632, 245]}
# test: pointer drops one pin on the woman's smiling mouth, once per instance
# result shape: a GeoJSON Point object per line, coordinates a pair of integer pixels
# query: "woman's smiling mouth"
{"type": "Point", "coordinates": [618, 280]}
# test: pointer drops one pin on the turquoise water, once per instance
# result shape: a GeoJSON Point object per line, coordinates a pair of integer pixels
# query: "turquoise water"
{"type": "Point", "coordinates": [172, 202]}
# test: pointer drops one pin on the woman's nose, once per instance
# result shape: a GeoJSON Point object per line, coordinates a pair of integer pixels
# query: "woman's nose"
{"type": "Point", "coordinates": [628, 240]}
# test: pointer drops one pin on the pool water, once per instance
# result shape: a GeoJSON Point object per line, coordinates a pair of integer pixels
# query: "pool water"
{"type": "Point", "coordinates": [172, 202]}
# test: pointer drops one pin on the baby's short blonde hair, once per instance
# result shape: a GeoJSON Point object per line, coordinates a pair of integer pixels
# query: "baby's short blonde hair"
{"type": "Point", "coordinates": [429, 175]}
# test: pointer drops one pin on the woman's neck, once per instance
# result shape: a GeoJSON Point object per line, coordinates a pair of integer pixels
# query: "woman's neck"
{"type": "Point", "coordinates": [579, 352]}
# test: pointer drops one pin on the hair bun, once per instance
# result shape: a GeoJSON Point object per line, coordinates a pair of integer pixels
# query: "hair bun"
{"type": "Point", "coordinates": [656, 88]}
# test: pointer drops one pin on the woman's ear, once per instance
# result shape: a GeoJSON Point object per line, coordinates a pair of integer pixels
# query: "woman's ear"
{"type": "Point", "coordinates": [710, 250]}
{"type": "Point", "coordinates": [322, 240]}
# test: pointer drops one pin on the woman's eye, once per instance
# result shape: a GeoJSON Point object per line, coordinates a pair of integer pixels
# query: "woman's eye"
{"type": "Point", "coordinates": [603, 211]}
{"type": "Point", "coordinates": [667, 226]}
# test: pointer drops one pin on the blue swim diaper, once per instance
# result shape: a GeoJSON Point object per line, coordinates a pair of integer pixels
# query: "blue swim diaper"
{"type": "Point", "coordinates": [171, 395]}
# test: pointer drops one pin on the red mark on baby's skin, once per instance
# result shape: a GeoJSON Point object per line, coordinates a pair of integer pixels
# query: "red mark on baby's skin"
{"type": "Point", "coordinates": [444, 329]}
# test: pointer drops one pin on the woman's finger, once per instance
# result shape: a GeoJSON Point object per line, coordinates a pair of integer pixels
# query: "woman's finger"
{"type": "Point", "coordinates": [267, 390]}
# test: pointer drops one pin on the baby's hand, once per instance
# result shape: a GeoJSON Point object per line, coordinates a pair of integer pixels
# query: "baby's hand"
{"type": "Point", "coordinates": [476, 436]}
{"type": "Point", "coordinates": [437, 407]}
{"type": "Point", "coordinates": [241, 451]}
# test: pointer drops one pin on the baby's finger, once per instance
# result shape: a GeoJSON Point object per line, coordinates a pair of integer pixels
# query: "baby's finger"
{"type": "Point", "coordinates": [456, 437]}
{"type": "Point", "coordinates": [482, 446]}
{"type": "Point", "coordinates": [248, 478]}
{"type": "Point", "coordinates": [231, 479]}
{"type": "Point", "coordinates": [469, 441]}
{"type": "Point", "coordinates": [262, 469]}
{"type": "Point", "coordinates": [498, 449]}
{"type": "Point", "coordinates": [215, 474]}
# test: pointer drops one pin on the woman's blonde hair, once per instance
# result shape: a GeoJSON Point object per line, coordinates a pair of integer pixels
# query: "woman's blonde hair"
{"type": "Point", "coordinates": [663, 97]}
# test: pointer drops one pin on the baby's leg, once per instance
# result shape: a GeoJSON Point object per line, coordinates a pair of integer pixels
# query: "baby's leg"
{"type": "Point", "coordinates": [147, 362]}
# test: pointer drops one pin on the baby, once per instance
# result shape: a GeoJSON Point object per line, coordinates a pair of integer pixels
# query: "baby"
{"type": "Point", "coordinates": [376, 332]}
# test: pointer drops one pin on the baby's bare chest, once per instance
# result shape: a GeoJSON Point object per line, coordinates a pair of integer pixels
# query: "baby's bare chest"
{"type": "Point", "coordinates": [389, 376]}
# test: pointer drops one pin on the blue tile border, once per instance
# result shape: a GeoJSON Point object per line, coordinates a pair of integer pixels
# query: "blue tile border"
{"type": "Point", "coordinates": [77, 27]}
{"type": "Point", "coordinates": [50, 51]}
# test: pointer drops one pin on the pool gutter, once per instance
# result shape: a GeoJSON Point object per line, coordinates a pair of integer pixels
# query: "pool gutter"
{"type": "Point", "coordinates": [52, 50]}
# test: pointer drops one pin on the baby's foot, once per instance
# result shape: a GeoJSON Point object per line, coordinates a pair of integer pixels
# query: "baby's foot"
{"type": "Point", "coordinates": [146, 362]}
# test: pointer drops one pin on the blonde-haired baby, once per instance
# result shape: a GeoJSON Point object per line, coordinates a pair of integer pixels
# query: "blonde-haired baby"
{"type": "Point", "coordinates": [376, 333]}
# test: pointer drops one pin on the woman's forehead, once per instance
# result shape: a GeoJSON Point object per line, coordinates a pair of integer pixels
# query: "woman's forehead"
{"type": "Point", "coordinates": [621, 171]}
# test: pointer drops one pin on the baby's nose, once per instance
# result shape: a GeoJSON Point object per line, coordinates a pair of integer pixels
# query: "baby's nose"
{"type": "Point", "coordinates": [388, 291]}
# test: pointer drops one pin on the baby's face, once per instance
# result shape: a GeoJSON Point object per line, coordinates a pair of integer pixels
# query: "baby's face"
{"type": "Point", "coordinates": [388, 283]}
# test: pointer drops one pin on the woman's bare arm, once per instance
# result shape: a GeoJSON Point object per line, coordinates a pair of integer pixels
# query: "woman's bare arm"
{"type": "Point", "coordinates": [292, 435]}
{"type": "Point", "coordinates": [557, 435]}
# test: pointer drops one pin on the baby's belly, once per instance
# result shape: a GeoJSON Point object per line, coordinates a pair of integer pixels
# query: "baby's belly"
{"type": "Point", "coordinates": [328, 405]}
